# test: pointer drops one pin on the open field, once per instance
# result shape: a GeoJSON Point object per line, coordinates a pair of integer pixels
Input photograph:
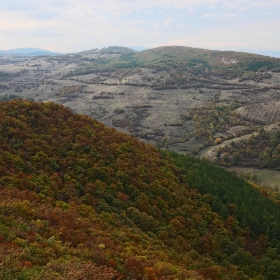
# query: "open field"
{"type": "Point", "coordinates": [264, 177]}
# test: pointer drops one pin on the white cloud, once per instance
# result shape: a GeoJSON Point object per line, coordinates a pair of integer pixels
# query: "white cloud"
{"type": "Point", "coordinates": [226, 15]}
{"type": "Point", "coordinates": [183, 25]}
{"type": "Point", "coordinates": [252, 36]}
{"type": "Point", "coordinates": [156, 25]}
{"type": "Point", "coordinates": [117, 7]}
{"type": "Point", "coordinates": [83, 24]}
{"type": "Point", "coordinates": [267, 3]}
{"type": "Point", "coordinates": [237, 4]}
{"type": "Point", "coordinates": [167, 22]}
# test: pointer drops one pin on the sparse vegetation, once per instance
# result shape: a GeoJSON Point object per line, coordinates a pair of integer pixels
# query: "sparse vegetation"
{"type": "Point", "coordinates": [8, 97]}
{"type": "Point", "coordinates": [211, 119]}
{"type": "Point", "coordinates": [195, 61]}
{"type": "Point", "coordinates": [70, 90]}
{"type": "Point", "coordinates": [261, 151]}
{"type": "Point", "coordinates": [119, 111]}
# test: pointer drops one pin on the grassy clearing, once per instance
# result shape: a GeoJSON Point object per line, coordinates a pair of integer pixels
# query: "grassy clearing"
{"type": "Point", "coordinates": [267, 178]}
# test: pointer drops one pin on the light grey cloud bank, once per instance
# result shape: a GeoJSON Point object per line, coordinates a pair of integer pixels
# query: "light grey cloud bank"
{"type": "Point", "coordinates": [71, 25]}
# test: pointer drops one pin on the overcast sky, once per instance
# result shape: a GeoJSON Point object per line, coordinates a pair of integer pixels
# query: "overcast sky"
{"type": "Point", "coordinates": [76, 25]}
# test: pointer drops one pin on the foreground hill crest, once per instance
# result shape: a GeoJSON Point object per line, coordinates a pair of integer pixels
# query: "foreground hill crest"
{"type": "Point", "coordinates": [83, 201]}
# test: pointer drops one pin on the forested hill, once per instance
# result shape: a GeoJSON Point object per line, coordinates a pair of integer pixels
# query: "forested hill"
{"type": "Point", "coordinates": [79, 200]}
{"type": "Point", "coordinates": [193, 60]}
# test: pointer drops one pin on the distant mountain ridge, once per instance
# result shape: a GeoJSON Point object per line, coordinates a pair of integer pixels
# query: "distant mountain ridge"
{"type": "Point", "coordinates": [109, 50]}
{"type": "Point", "coordinates": [185, 59]}
{"type": "Point", "coordinates": [27, 52]}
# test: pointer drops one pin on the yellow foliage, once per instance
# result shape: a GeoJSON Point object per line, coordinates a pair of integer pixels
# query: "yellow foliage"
{"type": "Point", "coordinates": [218, 140]}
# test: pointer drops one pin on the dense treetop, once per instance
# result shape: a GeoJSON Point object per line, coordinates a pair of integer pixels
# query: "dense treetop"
{"type": "Point", "coordinates": [79, 200]}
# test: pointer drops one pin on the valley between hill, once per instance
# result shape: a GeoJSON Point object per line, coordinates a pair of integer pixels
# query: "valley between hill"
{"type": "Point", "coordinates": [149, 94]}
{"type": "Point", "coordinates": [182, 99]}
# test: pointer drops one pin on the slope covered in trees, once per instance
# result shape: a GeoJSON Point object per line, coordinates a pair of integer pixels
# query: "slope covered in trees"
{"type": "Point", "coordinates": [83, 201]}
